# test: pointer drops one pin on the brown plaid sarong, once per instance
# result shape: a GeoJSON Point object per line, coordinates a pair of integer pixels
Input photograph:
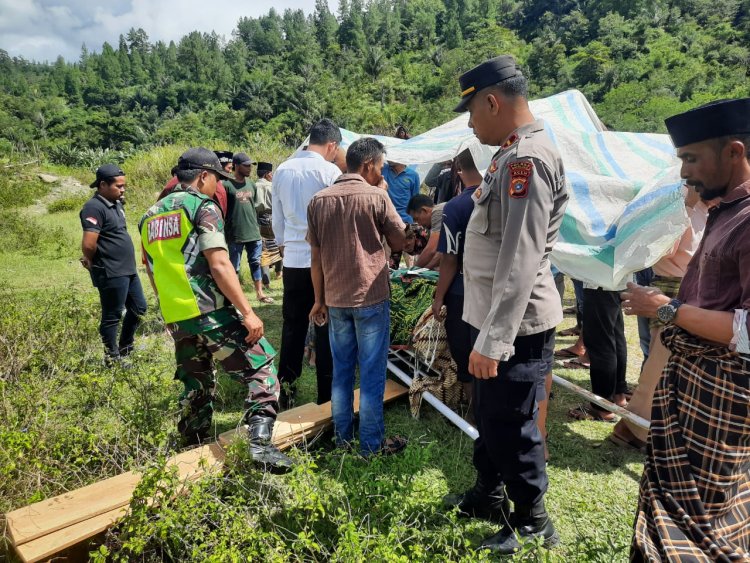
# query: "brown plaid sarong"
{"type": "Point", "coordinates": [694, 500]}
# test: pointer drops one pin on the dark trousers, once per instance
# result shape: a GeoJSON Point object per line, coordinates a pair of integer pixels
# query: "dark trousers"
{"type": "Point", "coordinates": [604, 337]}
{"type": "Point", "coordinates": [510, 447]}
{"type": "Point", "coordinates": [118, 294]}
{"type": "Point", "coordinates": [458, 332]}
{"type": "Point", "coordinates": [299, 298]}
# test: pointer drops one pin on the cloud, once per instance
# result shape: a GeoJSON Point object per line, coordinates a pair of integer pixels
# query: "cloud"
{"type": "Point", "coordinates": [45, 29]}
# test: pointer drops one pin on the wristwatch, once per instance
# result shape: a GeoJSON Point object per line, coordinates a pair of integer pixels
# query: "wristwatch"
{"type": "Point", "coordinates": [667, 312]}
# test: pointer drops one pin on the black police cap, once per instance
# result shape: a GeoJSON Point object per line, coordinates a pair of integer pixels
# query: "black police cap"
{"type": "Point", "coordinates": [711, 121]}
{"type": "Point", "coordinates": [106, 172]}
{"type": "Point", "coordinates": [486, 74]}
{"type": "Point", "coordinates": [201, 159]}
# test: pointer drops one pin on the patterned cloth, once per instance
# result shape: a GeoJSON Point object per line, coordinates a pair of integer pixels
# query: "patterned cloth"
{"type": "Point", "coordinates": [250, 365]}
{"type": "Point", "coordinates": [430, 344]}
{"type": "Point", "coordinates": [694, 500]}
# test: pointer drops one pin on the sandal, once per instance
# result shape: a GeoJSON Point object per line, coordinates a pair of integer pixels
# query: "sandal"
{"type": "Point", "coordinates": [572, 331]}
{"type": "Point", "coordinates": [570, 311]}
{"type": "Point", "coordinates": [393, 445]}
{"type": "Point", "coordinates": [576, 363]}
{"type": "Point", "coordinates": [266, 299]}
{"type": "Point", "coordinates": [589, 413]}
{"type": "Point", "coordinates": [565, 354]}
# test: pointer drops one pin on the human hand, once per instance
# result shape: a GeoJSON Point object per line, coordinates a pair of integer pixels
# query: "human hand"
{"type": "Point", "coordinates": [281, 251]}
{"type": "Point", "coordinates": [383, 184]}
{"type": "Point", "coordinates": [85, 262]}
{"type": "Point", "coordinates": [438, 309]}
{"type": "Point", "coordinates": [642, 301]}
{"type": "Point", "coordinates": [254, 327]}
{"type": "Point", "coordinates": [481, 366]}
{"type": "Point", "coordinates": [319, 314]}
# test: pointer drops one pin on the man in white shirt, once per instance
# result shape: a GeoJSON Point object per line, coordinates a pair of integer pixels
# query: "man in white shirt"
{"type": "Point", "coordinates": [296, 181]}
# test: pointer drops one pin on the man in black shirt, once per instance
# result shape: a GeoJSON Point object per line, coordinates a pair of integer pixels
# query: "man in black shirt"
{"type": "Point", "coordinates": [109, 257]}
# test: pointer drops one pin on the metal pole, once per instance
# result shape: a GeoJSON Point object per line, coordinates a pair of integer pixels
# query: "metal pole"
{"type": "Point", "coordinates": [464, 426]}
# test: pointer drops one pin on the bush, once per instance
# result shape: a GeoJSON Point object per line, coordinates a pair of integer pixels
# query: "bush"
{"type": "Point", "coordinates": [68, 203]}
{"type": "Point", "coordinates": [18, 189]}
{"type": "Point", "coordinates": [20, 232]}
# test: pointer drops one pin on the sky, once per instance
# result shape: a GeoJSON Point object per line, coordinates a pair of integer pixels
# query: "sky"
{"type": "Point", "coordinates": [41, 30]}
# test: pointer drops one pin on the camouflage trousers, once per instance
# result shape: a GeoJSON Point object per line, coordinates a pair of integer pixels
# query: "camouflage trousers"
{"type": "Point", "coordinates": [251, 365]}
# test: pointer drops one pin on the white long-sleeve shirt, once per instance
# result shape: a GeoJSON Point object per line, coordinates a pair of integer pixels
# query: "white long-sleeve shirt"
{"type": "Point", "coordinates": [295, 182]}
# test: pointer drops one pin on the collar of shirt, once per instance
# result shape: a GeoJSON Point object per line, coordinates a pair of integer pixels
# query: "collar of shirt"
{"type": "Point", "coordinates": [310, 154]}
{"type": "Point", "coordinates": [350, 178]}
{"type": "Point", "coordinates": [105, 200]}
{"type": "Point", "coordinates": [532, 127]}
{"type": "Point", "coordinates": [737, 193]}
{"type": "Point", "coordinates": [184, 188]}
{"type": "Point", "coordinates": [394, 171]}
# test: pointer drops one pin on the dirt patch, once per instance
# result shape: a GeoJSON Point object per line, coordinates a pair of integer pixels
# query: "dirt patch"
{"type": "Point", "coordinates": [64, 186]}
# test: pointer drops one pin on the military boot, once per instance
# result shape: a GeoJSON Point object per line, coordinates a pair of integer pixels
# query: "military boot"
{"type": "Point", "coordinates": [260, 430]}
{"type": "Point", "coordinates": [528, 521]}
{"type": "Point", "coordinates": [481, 501]}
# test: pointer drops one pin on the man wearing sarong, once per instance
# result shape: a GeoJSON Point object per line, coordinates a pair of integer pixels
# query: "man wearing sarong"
{"type": "Point", "coordinates": [694, 502]}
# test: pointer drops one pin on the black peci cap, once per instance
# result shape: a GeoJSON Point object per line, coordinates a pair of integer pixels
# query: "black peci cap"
{"type": "Point", "coordinates": [486, 74]}
{"type": "Point", "coordinates": [106, 172]}
{"type": "Point", "coordinates": [264, 168]}
{"type": "Point", "coordinates": [201, 159]}
{"type": "Point", "coordinates": [714, 120]}
{"type": "Point", "coordinates": [224, 156]}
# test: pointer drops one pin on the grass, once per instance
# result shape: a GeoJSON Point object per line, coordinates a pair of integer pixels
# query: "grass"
{"type": "Point", "coordinates": [69, 422]}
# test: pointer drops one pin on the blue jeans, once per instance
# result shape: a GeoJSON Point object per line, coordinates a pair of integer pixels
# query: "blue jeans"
{"type": "Point", "coordinates": [116, 294]}
{"type": "Point", "coordinates": [254, 250]}
{"type": "Point", "coordinates": [359, 335]}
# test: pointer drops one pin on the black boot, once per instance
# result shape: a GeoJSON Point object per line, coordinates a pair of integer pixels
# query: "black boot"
{"type": "Point", "coordinates": [481, 501]}
{"type": "Point", "coordinates": [260, 429]}
{"type": "Point", "coordinates": [526, 522]}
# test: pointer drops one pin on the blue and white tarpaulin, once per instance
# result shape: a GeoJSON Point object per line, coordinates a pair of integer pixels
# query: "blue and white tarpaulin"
{"type": "Point", "coordinates": [626, 205]}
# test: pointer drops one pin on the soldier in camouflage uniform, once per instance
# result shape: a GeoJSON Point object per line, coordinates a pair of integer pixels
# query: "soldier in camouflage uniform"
{"type": "Point", "coordinates": [205, 309]}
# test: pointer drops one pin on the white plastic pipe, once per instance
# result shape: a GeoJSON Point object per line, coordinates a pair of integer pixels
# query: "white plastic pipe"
{"type": "Point", "coordinates": [464, 426]}
{"type": "Point", "coordinates": [602, 402]}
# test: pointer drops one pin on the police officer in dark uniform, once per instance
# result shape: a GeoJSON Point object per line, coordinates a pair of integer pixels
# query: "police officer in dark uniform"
{"type": "Point", "coordinates": [109, 257]}
{"type": "Point", "coordinates": [510, 302]}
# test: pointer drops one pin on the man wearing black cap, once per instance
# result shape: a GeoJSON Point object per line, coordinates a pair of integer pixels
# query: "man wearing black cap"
{"type": "Point", "coordinates": [109, 257]}
{"type": "Point", "coordinates": [695, 490]}
{"type": "Point", "coordinates": [510, 302]}
{"type": "Point", "coordinates": [243, 230]}
{"type": "Point", "coordinates": [205, 309]}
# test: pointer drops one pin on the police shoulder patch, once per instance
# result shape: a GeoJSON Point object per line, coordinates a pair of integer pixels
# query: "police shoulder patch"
{"type": "Point", "coordinates": [520, 174]}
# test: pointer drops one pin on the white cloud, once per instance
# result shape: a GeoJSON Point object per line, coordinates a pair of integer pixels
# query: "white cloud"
{"type": "Point", "coordinates": [43, 29]}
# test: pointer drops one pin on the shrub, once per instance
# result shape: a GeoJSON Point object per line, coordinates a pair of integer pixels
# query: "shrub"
{"type": "Point", "coordinates": [68, 203]}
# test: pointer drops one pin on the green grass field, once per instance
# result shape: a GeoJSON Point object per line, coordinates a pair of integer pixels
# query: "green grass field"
{"type": "Point", "coordinates": [68, 421]}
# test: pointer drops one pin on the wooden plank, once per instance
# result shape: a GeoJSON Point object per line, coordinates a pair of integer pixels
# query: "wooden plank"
{"type": "Point", "coordinates": [292, 425]}
{"type": "Point", "coordinates": [51, 544]}
{"type": "Point", "coordinates": [44, 529]}
{"type": "Point", "coordinates": [47, 516]}
{"type": "Point", "coordinates": [44, 517]}
{"type": "Point", "coordinates": [191, 466]}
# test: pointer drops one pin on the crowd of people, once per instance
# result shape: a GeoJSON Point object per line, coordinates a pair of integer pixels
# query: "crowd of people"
{"type": "Point", "coordinates": [333, 222]}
